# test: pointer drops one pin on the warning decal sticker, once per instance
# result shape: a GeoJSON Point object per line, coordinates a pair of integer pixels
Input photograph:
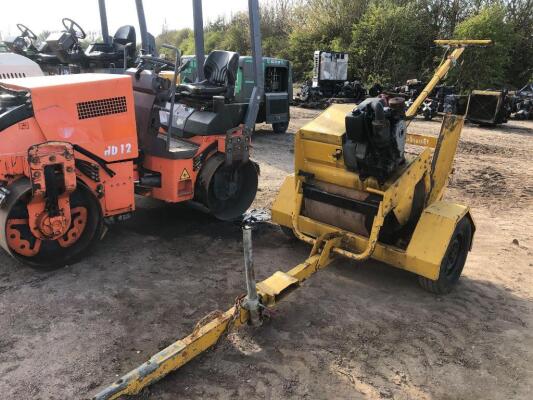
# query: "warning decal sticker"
{"type": "Point", "coordinates": [185, 175]}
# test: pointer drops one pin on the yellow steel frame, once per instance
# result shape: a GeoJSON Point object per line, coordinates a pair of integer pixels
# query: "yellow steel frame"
{"type": "Point", "coordinates": [318, 153]}
{"type": "Point", "coordinates": [174, 356]}
{"type": "Point", "coordinates": [431, 167]}
{"type": "Point", "coordinates": [271, 290]}
{"type": "Point", "coordinates": [317, 149]}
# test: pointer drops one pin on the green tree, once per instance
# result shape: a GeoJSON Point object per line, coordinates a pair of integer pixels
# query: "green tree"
{"type": "Point", "coordinates": [319, 25]}
{"type": "Point", "coordinates": [391, 43]}
{"type": "Point", "coordinates": [520, 17]}
{"type": "Point", "coordinates": [487, 67]}
{"type": "Point", "coordinates": [388, 40]}
{"type": "Point", "coordinates": [237, 36]}
{"type": "Point", "coordinates": [301, 46]}
{"type": "Point", "coordinates": [181, 38]}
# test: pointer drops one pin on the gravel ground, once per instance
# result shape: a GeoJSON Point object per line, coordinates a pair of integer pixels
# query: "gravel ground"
{"type": "Point", "coordinates": [355, 331]}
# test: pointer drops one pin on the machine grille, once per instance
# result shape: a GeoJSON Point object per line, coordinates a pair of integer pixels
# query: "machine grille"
{"type": "Point", "coordinates": [12, 75]}
{"type": "Point", "coordinates": [483, 108]}
{"type": "Point", "coordinates": [98, 108]}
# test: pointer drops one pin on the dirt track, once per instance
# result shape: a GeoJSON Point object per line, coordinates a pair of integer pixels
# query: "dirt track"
{"type": "Point", "coordinates": [356, 331]}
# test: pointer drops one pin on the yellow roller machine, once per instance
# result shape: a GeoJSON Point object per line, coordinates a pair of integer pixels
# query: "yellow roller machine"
{"type": "Point", "coordinates": [355, 193]}
{"type": "Point", "coordinates": [354, 181]}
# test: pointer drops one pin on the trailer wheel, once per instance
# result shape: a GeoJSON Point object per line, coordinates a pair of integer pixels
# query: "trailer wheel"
{"type": "Point", "coordinates": [453, 261]}
{"type": "Point", "coordinates": [288, 232]}
{"type": "Point", "coordinates": [280, 127]}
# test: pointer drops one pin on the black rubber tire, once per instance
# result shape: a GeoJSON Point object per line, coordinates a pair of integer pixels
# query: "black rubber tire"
{"type": "Point", "coordinates": [453, 261]}
{"type": "Point", "coordinates": [233, 207]}
{"type": "Point", "coordinates": [280, 127]}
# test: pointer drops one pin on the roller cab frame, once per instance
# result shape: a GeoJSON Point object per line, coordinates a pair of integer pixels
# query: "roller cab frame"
{"type": "Point", "coordinates": [62, 53]}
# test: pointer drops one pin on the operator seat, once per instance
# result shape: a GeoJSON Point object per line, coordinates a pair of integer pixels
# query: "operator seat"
{"type": "Point", "coordinates": [220, 71]}
{"type": "Point", "coordinates": [45, 54]}
{"type": "Point", "coordinates": [114, 51]}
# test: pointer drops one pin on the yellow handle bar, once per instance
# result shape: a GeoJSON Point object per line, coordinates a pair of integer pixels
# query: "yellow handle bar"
{"type": "Point", "coordinates": [463, 42]}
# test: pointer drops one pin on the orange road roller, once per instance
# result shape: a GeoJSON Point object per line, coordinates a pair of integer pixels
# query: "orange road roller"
{"type": "Point", "coordinates": [75, 149]}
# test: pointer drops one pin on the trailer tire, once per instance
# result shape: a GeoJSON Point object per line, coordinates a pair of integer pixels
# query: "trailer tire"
{"type": "Point", "coordinates": [280, 127]}
{"type": "Point", "coordinates": [453, 261]}
{"type": "Point", "coordinates": [288, 232]}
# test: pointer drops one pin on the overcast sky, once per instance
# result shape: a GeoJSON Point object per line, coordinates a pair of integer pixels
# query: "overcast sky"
{"type": "Point", "coordinates": [41, 15]}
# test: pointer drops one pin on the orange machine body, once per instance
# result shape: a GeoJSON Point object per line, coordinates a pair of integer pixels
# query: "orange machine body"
{"type": "Point", "coordinates": [94, 112]}
{"type": "Point", "coordinates": [70, 160]}
{"type": "Point", "coordinates": [178, 177]}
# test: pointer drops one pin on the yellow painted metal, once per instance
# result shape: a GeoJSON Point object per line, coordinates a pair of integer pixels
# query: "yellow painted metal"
{"type": "Point", "coordinates": [175, 355]}
{"type": "Point", "coordinates": [421, 140]}
{"type": "Point", "coordinates": [397, 198]}
{"type": "Point", "coordinates": [441, 72]}
{"type": "Point", "coordinates": [330, 122]}
{"type": "Point", "coordinates": [486, 92]}
{"type": "Point", "coordinates": [463, 42]}
{"type": "Point", "coordinates": [170, 75]}
{"type": "Point", "coordinates": [273, 287]}
{"type": "Point", "coordinates": [444, 67]}
{"type": "Point", "coordinates": [207, 334]}
{"type": "Point", "coordinates": [317, 159]}
{"type": "Point", "coordinates": [318, 144]}
{"type": "Point", "coordinates": [284, 203]}
{"type": "Point", "coordinates": [442, 163]}
{"type": "Point", "coordinates": [422, 256]}
{"type": "Point", "coordinates": [397, 195]}
{"type": "Point", "coordinates": [432, 236]}
{"type": "Point", "coordinates": [318, 153]}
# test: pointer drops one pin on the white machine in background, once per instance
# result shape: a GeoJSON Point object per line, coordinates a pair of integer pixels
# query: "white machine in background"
{"type": "Point", "coordinates": [17, 66]}
{"type": "Point", "coordinates": [329, 67]}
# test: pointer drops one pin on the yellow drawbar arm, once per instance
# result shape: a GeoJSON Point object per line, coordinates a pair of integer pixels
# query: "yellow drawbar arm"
{"type": "Point", "coordinates": [207, 334]}
{"type": "Point", "coordinates": [443, 69]}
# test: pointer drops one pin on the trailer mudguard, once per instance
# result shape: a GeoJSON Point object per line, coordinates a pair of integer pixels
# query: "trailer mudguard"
{"type": "Point", "coordinates": [284, 203]}
{"type": "Point", "coordinates": [432, 235]}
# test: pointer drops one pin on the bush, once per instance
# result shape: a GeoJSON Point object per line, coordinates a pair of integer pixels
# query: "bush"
{"type": "Point", "coordinates": [486, 67]}
{"type": "Point", "coordinates": [390, 43]}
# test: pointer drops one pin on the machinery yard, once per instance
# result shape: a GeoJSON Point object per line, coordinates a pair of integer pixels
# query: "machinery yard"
{"type": "Point", "coordinates": [357, 331]}
{"type": "Point", "coordinates": [269, 202]}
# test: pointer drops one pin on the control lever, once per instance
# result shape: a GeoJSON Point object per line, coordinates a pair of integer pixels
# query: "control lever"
{"type": "Point", "coordinates": [128, 45]}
